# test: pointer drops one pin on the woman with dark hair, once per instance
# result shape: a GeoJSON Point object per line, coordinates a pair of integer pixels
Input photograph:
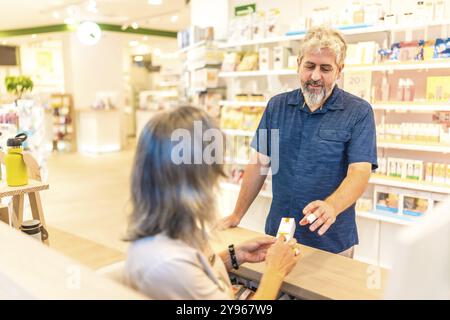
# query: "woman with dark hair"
{"type": "Point", "coordinates": [174, 214]}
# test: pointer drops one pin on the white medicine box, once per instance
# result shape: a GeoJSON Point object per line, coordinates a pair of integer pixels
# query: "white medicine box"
{"type": "Point", "coordinates": [280, 57]}
{"type": "Point", "coordinates": [265, 59]}
{"type": "Point", "coordinates": [286, 228]}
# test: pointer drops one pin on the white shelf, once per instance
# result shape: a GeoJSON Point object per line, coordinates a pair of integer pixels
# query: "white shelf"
{"type": "Point", "coordinates": [258, 73]}
{"type": "Point", "coordinates": [415, 147]}
{"type": "Point", "coordinates": [236, 188]}
{"type": "Point", "coordinates": [395, 65]}
{"type": "Point", "coordinates": [405, 107]}
{"type": "Point", "coordinates": [234, 132]}
{"type": "Point", "coordinates": [261, 41]}
{"type": "Point", "coordinates": [422, 186]}
{"type": "Point", "coordinates": [234, 103]}
{"type": "Point", "coordinates": [192, 46]}
{"type": "Point", "coordinates": [386, 217]}
{"type": "Point", "coordinates": [345, 32]}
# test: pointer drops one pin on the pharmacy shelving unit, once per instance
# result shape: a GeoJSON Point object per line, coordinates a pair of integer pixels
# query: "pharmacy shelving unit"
{"type": "Point", "coordinates": [377, 230]}
{"type": "Point", "coordinates": [347, 32]}
{"type": "Point", "coordinates": [63, 122]}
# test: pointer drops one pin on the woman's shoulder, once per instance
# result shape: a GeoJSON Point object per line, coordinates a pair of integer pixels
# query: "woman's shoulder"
{"type": "Point", "coordinates": [158, 260]}
{"type": "Point", "coordinates": [160, 248]}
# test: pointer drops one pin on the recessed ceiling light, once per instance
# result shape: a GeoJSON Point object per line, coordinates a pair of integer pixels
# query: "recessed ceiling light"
{"type": "Point", "coordinates": [145, 38]}
{"type": "Point", "coordinates": [69, 21]}
{"type": "Point", "coordinates": [138, 58]}
{"type": "Point", "coordinates": [134, 25]}
{"type": "Point", "coordinates": [56, 15]}
{"type": "Point", "coordinates": [154, 2]}
{"type": "Point", "coordinates": [92, 6]}
{"type": "Point", "coordinates": [174, 18]}
{"type": "Point", "coordinates": [133, 43]}
{"type": "Point", "coordinates": [33, 36]}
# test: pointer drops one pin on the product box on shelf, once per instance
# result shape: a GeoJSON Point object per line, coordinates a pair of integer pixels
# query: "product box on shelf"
{"type": "Point", "coordinates": [442, 48]}
{"type": "Point", "coordinates": [258, 25]}
{"type": "Point", "coordinates": [364, 205]}
{"type": "Point", "coordinates": [415, 205]}
{"type": "Point", "coordinates": [265, 59]}
{"type": "Point", "coordinates": [280, 57]}
{"type": "Point", "coordinates": [231, 61]}
{"type": "Point", "coordinates": [438, 88]}
{"type": "Point", "coordinates": [386, 199]}
{"type": "Point", "coordinates": [249, 62]}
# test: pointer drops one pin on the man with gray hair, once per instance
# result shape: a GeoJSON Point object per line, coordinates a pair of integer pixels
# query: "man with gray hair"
{"type": "Point", "coordinates": [327, 149]}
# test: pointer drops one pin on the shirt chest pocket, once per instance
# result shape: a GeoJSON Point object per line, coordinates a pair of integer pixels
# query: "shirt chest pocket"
{"type": "Point", "coordinates": [332, 143]}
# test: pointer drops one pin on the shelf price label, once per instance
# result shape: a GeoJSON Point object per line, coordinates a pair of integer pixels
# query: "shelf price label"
{"type": "Point", "coordinates": [359, 83]}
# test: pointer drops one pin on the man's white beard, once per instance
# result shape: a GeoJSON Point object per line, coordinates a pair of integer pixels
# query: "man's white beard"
{"type": "Point", "coordinates": [313, 99]}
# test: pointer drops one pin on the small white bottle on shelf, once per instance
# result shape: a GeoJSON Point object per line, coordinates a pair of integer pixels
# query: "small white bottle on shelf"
{"type": "Point", "coordinates": [384, 89]}
{"type": "Point", "coordinates": [401, 90]}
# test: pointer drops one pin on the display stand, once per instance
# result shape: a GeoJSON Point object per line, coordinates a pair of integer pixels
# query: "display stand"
{"type": "Point", "coordinates": [63, 124]}
{"type": "Point", "coordinates": [99, 131]}
{"type": "Point", "coordinates": [18, 195]}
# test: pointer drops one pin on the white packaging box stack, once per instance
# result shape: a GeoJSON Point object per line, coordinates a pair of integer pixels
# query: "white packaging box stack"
{"type": "Point", "coordinates": [286, 228]}
{"type": "Point", "coordinates": [265, 59]}
{"type": "Point", "coordinates": [280, 57]}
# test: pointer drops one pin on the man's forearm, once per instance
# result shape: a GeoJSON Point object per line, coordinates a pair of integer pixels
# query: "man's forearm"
{"type": "Point", "coordinates": [252, 183]}
{"type": "Point", "coordinates": [351, 188]}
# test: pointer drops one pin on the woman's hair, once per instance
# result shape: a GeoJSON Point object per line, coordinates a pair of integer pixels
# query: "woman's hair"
{"type": "Point", "coordinates": [175, 199]}
{"type": "Point", "coordinates": [324, 37]}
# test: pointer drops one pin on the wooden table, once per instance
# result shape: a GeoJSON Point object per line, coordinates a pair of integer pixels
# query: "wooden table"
{"type": "Point", "coordinates": [318, 275]}
{"type": "Point", "coordinates": [18, 194]}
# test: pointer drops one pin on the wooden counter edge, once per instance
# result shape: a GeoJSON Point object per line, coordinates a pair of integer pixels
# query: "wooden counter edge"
{"type": "Point", "coordinates": [336, 270]}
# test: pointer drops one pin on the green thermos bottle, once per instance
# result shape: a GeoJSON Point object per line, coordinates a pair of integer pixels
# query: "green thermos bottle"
{"type": "Point", "coordinates": [16, 169]}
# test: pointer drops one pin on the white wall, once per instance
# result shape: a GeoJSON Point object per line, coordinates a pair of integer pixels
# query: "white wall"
{"type": "Point", "coordinates": [205, 13]}
{"type": "Point", "coordinates": [89, 69]}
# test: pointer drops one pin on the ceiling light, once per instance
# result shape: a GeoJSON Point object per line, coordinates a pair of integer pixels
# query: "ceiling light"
{"type": "Point", "coordinates": [157, 52]}
{"type": "Point", "coordinates": [133, 43]}
{"type": "Point", "coordinates": [92, 6]}
{"type": "Point", "coordinates": [56, 15]}
{"type": "Point", "coordinates": [124, 27]}
{"type": "Point", "coordinates": [134, 25]}
{"type": "Point", "coordinates": [69, 21]}
{"type": "Point", "coordinates": [145, 38]}
{"type": "Point", "coordinates": [155, 2]}
{"type": "Point", "coordinates": [174, 18]}
{"type": "Point", "coordinates": [138, 58]}
{"type": "Point", "coordinates": [89, 33]}
{"type": "Point", "coordinates": [33, 36]}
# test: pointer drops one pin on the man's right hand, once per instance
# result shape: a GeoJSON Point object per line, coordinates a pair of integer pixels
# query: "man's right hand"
{"type": "Point", "coordinates": [230, 221]}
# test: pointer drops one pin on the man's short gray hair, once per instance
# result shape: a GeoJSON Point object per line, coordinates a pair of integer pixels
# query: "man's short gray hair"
{"type": "Point", "coordinates": [324, 37]}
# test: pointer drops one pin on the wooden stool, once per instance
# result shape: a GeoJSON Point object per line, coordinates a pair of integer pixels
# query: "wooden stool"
{"type": "Point", "coordinates": [18, 194]}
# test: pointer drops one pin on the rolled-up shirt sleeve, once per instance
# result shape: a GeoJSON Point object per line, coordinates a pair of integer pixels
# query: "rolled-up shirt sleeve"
{"type": "Point", "coordinates": [362, 146]}
{"type": "Point", "coordinates": [261, 140]}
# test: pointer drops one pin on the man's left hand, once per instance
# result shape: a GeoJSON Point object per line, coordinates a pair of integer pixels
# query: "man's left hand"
{"type": "Point", "coordinates": [325, 216]}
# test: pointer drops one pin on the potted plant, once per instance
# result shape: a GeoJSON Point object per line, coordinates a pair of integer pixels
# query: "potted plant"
{"type": "Point", "coordinates": [18, 85]}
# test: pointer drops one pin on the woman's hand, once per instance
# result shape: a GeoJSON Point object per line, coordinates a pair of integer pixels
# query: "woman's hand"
{"type": "Point", "coordinates": [253, 250]}
{"type": "Point", "coordinates": [282, 256]}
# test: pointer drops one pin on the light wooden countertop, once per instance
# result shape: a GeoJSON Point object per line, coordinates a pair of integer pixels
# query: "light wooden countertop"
{"type": "Point", "coordinates": [32, 186]}
{"type": "Point", "coordinates": [318, 275]}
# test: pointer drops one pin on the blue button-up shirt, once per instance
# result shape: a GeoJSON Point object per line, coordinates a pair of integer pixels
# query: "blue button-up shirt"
{"type": "Point", "coordinates": [314, 152]}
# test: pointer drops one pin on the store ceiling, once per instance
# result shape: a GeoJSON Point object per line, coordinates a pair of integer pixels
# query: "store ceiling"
{"type": "Point", "coordinates": [20, 14]}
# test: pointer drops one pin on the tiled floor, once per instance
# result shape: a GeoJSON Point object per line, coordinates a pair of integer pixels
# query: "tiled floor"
{"type": "Point", "coordinates": [89, 197]}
